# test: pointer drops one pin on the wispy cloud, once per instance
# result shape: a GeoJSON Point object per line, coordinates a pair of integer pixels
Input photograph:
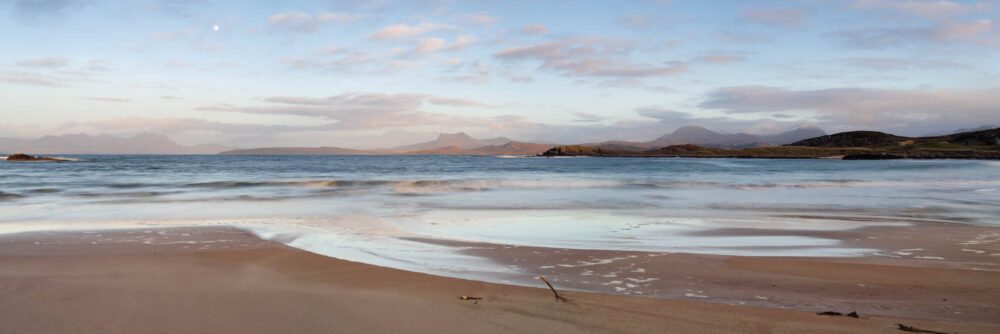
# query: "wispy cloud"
{"type": "Point", "coordinates": [54, 62]}
{"type": "Point", "coordinates": [476, 72]}
{"type": "Point", "coordinates": [782, 17]}
{"type": "Point", "coordinates": [29, 78]}
{"type": "Point", "coordinates": [978, 32]}
{"type": "Point", "coordinates": [364, 110]}
{"type": "Point", "coordinates": [583, 117]}
{"type": "Point", "coordinates": [590, 57]}
{"type": "Point", "coordinates": [932, 9]}
{"type": "Point", "coordinates": [331, 50]}
{"type": "Point", "coordinates": [642, 21]}
{"type": "Point", "coordinates": [899, 64]}
{"type": "Point", "coordinates": [862, 107]}
{"type": "Point", "coordinates": [168, 35]}
{"type": "Point", "coordinates": [302, 21]}
{"type": "Point", "coordinates": [174, 125]}
{"type": "Point", "coordinates": [37, 10]}
{"type": "Point", "coordinates": [110, 99]}
{"type": "Point", "coordinates": [722, 58]}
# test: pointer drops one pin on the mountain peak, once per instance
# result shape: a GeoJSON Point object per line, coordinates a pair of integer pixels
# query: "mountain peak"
{"type": "Point", "coordinates": [458, 135]}
{"type": "Point", "coordinates": [693, 129]}
{"type": "Point", "coordinates": [460, 139]}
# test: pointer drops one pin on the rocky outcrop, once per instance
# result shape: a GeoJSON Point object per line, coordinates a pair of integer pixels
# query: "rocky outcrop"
{"type": "Point", "coordinates": [956, 154]}
{"type": "Point", "coordinates": [579, 150]}
{"type": "Point", "coordinates": [25, 157]}
{"type": "Point", "coordinates": [872, 156]}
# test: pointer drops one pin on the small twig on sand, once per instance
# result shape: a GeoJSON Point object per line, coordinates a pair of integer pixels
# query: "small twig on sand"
{"type": "Point", "coordinates": [558, 297]}
{"type": "Point", "coordinates": [853, 314]}
{"type": "Point", "coordinates": [475, 299]}
{"type": "Point", "coordinates": [906, 328]}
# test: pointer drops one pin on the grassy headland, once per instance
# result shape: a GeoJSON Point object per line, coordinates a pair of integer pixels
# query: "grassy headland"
{"type": "Point", "coordinates": [855, 145]}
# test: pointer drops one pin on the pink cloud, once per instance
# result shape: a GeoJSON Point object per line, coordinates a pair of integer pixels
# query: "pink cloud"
{"type": "Point", "coordinates": [937, 10]}
{"type": "Point", "coordinates": [784, 17]}
{"type": "Point", "coordinates": [481, 18]}
{"type": "Point", "coordinates": [402, 31]}
{"type": "Point", "coordinates": [430, 44]}
{"type": "Point", "coordinates": [535, 29]}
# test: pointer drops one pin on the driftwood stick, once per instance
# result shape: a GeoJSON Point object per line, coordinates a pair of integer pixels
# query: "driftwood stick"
{"type": "Point", "coordinates": [558, 297]}
{"type": "Point", "coordinates": [474, 299]}
{"type": "Point", "coordinates": [906, 328]}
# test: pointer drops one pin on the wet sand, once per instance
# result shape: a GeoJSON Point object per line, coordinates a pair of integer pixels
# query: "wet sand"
{"type": "Point", "coordinates": [226, 280]}
{"type": "Point", "coordinates": [934, 271]}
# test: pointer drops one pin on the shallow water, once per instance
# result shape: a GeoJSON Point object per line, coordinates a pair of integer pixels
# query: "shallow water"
{"type": "Point", "coordinates": [373, 208]}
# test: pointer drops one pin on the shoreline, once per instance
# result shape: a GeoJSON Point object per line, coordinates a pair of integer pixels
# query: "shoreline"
{"type": "Point", "coordinates": [66, 270]}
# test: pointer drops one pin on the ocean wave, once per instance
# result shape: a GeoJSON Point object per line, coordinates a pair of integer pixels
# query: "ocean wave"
{"type": "Point", "coordinates": [125, 194]}
{"type": "Point", "coordinates": [45, 190]}
{"type": "Point", "coordinates": [862, 183]}
{"type": "Point", "coordinates": [474, 185]}
{"type": "Point", "coordinates": [421, 185]}
{"type": "Point", "coordinates": [70, 159]}
{"type": "Point", "coordinates": [131, 185]}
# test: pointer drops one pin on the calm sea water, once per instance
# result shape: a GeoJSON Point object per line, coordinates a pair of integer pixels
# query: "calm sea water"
{"type": "Point", "coordinates": [369, 208]}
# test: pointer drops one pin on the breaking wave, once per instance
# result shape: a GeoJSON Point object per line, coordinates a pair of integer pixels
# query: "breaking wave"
{"type": "Point", "coordinates": [540, 184]}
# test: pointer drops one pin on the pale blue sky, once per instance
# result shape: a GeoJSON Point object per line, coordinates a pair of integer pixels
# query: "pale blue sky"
{"type": "Point", "coordinates": [383, 73]}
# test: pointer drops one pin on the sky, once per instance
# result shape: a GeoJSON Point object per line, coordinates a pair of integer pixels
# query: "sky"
{"type": "Point", "coordinates": [383, 73]}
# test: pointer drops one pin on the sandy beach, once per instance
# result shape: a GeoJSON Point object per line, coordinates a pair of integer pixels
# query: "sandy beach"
{"type": "Point", "coordinates": [227, 280]}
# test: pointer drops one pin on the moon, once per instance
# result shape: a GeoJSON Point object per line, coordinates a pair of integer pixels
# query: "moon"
{"type": "Point", "coordinates": [215, 27]}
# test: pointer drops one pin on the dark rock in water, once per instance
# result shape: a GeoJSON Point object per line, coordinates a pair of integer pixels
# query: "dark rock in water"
{"type": "Point", "coordinates": [871, 156]}
{"type": "Point", "coordinates": [25, 157]}
{"type": "Point", "coordinates": [5, 196]}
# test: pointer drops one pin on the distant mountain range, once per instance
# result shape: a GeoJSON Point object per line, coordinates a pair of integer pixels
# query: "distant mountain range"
{"type": "Point", "coordinates": [696, 135]}
{"type": "Point", "coordinates": [446, 144]}
{"type": "Point", "coordinates": [945, 133]}
{"type": "Point", "coordinates": [143, 143]}
{"type": "Point", "coordinates": [460, 140]}
{"type": "Point", "coordinates": [463, 144]}
{"type": "Point", "coordinates": [510, 148]}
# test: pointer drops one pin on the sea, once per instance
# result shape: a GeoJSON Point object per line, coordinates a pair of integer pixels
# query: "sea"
{"type": "Point", "coordinates": [382, 209]}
